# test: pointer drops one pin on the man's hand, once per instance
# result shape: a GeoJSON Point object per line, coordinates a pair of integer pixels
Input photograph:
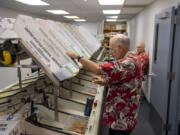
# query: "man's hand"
{"type": "Point", "coordinates": [98, 80]}
{"type": "Point", "coordinates": [87, 64]}
{"type": "Point", "coordinates": [72, 54]}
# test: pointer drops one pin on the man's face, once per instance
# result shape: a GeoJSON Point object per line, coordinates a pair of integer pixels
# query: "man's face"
{"type": "Point", "coordinates": [140, 48]}
{"type": "Point", "coordinates": [117, 51]}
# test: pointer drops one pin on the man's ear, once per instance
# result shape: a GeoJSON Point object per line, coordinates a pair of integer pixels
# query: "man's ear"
{"type": "Point", "coordinates": [127, 48]}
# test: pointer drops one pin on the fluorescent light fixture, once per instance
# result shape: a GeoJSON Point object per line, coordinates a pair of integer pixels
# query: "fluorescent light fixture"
{"type": "Point", "coordinates": [111, 20]}
{"type": "Point", "coordinates": [111, 2]}
{"type": "Point", "coordinates": [58, 12]}
{"type": "Point", "coordinates": [33, 2]}
{"type": "Point", "coordinates": [112, 17]}
{"type": "Point", "coordinates": [111, 11]}
{"type": "Point", "coordinates": [79, 20]}
{"type": "Point", "coordinates": [122, 20]}
{"type": "Point", "coordinates": [71, 17]}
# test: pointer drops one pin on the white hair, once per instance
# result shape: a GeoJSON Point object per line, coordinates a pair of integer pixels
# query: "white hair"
{"type": "Point", "coordinates": [120, 38]}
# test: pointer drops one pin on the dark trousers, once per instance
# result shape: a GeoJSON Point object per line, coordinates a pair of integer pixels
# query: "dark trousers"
{"type": "Point", "coordinates": [118, 132]}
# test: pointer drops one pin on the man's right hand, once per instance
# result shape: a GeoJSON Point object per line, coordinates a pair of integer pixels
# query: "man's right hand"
{"type": "Point", "coordinates": [72, 54]}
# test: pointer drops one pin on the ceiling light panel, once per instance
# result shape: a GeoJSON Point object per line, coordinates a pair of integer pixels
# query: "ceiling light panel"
{"type": "Point", "coordinates": [80, 20]}
{"type": "Point", "coordinates": [33, 2]}
{"type": "Point", "coordinates": [111, 20]}
{"type": "Point", "coordinates": [111, 2]}
{"type": "Point", "coordinates": [71, 17]}
{"type": "Point", "coordinates": [58, 12]}
{"type": "Point", "coordinates": [112, 17]}
{"type": "Point", "coordinates": [111, 11]}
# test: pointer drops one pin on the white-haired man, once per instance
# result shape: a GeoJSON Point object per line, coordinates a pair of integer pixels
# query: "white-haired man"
{"type": "Point", "coordinates": [142, 58]}
{"type": "Point", "coordinates": [123, 77]}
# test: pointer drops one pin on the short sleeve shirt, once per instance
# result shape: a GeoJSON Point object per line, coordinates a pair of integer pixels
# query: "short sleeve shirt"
{"type": "Point", "coordinates": [122, 103]}
{"type": "Point", "coordinates": [143, 59]}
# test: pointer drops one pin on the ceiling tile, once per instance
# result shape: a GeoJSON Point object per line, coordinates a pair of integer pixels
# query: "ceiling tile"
{"type": "Point", "coordinates": [90, 10]}
{"type": "Point", "coordinates": [131, 10]}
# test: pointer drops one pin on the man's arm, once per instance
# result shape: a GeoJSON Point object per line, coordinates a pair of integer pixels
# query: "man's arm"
{"type": "Point", "coordinates": [87, 64]}
{"type": "Point", "coordinates": [90, 65]}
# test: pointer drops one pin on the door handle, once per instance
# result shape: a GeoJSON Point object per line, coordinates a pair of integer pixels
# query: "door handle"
{"type": "Point", "coordinates": [164, 15]}
{"type": "Point", "coordinates": [152, 75]}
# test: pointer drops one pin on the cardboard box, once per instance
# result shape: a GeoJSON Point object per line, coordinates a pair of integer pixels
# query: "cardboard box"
{"type": "Point", "coordinates": [113, 27]}
{"type": "Point", "coordinates": [107, 26]}
{"type": "Point", "coordinates": [123, 27]}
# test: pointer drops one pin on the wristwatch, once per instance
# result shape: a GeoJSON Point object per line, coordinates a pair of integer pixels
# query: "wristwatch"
{"type": "Point", "coordinates": [79, 57]}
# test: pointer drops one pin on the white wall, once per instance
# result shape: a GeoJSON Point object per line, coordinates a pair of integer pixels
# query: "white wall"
{"type": "Point", "coordinates": [9, 76]}
{"type": "Point", "coordinates": [141, 28]}
{"type": "Point", "coordinates": [92, 27]}
{"type": "Point", "coordinates": [131, 29]}
{"type": "Point", "coordinates": [95, 28]}
{"type": "Point", "coordinates": [10, 13]}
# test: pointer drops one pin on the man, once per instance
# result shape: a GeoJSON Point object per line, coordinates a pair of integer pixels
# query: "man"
{"type": "Point", "coordinates": [142, 58]}
{"type": "Point", "coordinates": [123, 77]}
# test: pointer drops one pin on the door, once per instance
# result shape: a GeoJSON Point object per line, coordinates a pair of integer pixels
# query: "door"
{"type": "Point", "coordinates": [161, 66]}
{"type": "Point", "coordinates": [174, 105]}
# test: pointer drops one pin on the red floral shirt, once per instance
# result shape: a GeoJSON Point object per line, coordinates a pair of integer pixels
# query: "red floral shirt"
{"type": "Point", "coordinates": [143, 59]}
{"type": "Point", "coordinates": [122, 103]}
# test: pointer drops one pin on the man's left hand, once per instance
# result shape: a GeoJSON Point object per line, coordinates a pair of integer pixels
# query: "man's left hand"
{"type": "Point", "coordinates": [98, 80]}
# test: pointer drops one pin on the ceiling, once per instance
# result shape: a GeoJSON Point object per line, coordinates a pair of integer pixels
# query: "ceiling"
{"type": "Point", "coordinates": [85, 9]}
